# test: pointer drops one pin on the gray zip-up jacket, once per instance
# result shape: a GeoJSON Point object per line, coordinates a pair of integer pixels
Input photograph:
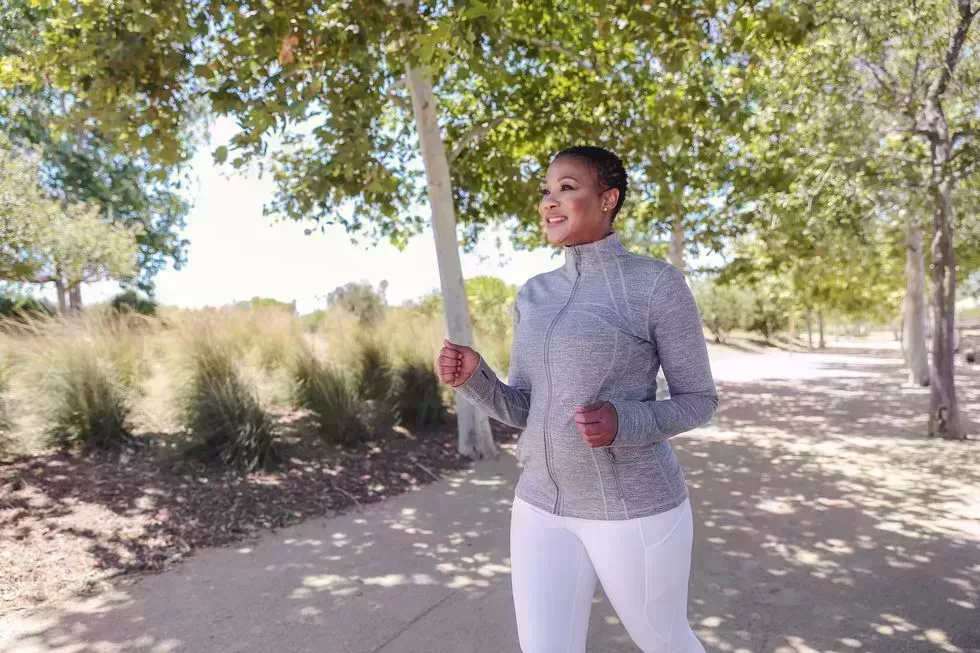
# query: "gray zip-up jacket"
{"type": "Point", "coordinates": [600, 328]}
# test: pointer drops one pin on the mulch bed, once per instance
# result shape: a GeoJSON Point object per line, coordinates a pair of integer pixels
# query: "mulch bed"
{"type": "Point", "coordinates": [69, 523]}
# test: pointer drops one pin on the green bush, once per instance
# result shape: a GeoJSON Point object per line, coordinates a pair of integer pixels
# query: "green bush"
{"type": "Point", "coordinates": [333, 398]}
{"type": "Point", "coordinates": [15, 304]}
{"type": "Point", "coordinates": [416, 393]}
{"type": "Point", "coordinates": [90, 408]}
{"type": "Point", "coordinates": [723, 308]}
{"type": "Point", "coordinates": [223, 412]}
{"type": "Point", "coordinates": [133, 302]}
{"type": "Point", "coordinates": [373, 368]}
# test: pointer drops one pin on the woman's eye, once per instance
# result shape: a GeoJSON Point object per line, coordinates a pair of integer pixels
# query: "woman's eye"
{"type": "Point", "coordinates": [543, 191]}
{"type": "Point", "coordinates": [566, 187]}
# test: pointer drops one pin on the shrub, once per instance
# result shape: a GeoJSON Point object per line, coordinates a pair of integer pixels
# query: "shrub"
{"type": "Point", "coordinates": [416, 393]}
{"type": "Point", "coordinates": [134, 302]}
{"type": "Point", "coordinates": [90, 408]}
{"type": "Point", "coordinates": [20, 305]}
{"type": "Point", "coordinates": [222, 411]}
{"type": "Point", "coordinates": [373, 368]}
{"type": "Point", "coordinates": [723, 308]}
{"type": "Point", "coordinates": [333, 398]}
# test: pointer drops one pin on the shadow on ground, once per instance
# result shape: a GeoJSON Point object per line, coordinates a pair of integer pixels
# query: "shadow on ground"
{"type": "Point", "coordinates": [824, 522]}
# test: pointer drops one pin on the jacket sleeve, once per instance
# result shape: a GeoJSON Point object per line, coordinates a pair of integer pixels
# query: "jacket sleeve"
{"type": "Point", "coordinates": [674, 326]}
{"type": "Point", "coordinates": [505, 403]}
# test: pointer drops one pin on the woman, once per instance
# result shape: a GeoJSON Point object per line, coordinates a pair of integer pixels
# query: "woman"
{"type": "Point", "coordinates": [601, 495]}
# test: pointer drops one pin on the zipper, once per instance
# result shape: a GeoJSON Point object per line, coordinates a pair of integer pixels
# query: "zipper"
{"type": "Point", "coordinates": [547, 369]}
{"type": "Point", "coordinates": [612, 463]}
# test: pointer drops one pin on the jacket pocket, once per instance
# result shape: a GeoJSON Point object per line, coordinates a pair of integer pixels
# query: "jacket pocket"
{"type": "Point", "coordinates": [615, 470]}
{"type": "Point", "coordinates": [639, 476]}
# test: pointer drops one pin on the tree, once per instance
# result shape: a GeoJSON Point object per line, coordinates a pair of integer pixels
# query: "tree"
{"type": "Point", "coordinates": [82, 164]}
{"type": "Point", "coordinates": [46, 241]}
{"type": "Point", "coordinates": [491, 302]}
{"type": "Point", "coordinates": [359, 299]}
{"type": "Point", "coordinates": [724, 308]}
{"type": "Point", "coordinates": [920, 61]}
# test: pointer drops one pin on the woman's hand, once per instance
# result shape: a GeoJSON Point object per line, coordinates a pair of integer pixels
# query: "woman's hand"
{"type": "Point", "coordinates": [597, 423]}
{"type": "Point", "coordinates": [456, 363]}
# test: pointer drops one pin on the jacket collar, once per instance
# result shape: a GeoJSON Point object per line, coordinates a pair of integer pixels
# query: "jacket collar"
{"type": "Point", "coordinates": [590, 256]}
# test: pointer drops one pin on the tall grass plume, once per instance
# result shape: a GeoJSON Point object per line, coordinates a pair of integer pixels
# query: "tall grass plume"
{"type": "Point", "coordinates": [221, 409]}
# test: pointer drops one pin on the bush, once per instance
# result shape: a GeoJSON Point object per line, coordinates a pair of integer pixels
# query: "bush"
{"type": "Point", "coordinates": [222, 411]}
{"type": "Point", "coordinates": [131, 301]}
{"type": "Point", "coordinates": [19, 305]}
{"type": "Point", "coordinates": [373, 368]}
{"type": "Point", "coordinates": [416, 393]}
{"type": "Point", "coordinates": [360, 299]}
{"type": "Point", "coordinates": [332, 397]}
{"type": "Point", "coordinates": [723, 308]}
{"type": "Point", "coordinates": [90, 408]}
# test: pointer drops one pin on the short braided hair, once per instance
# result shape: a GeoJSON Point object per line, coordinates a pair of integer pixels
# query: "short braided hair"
{"type": "Point", "coordinates": [608, 168]}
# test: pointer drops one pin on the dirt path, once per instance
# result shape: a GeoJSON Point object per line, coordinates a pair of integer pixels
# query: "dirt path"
{"type": "Point", "coordinates": [824, 522]}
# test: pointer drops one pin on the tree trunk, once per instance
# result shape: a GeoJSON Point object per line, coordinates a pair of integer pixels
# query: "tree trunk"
{"type": "Point", "coordinates": [61, 292]}
{"type": "Point", "coordinates": [75, 295]}
{"type": "Point", "coordinates": [475, 437]}
{"type": "Point", "coordinates": [677, 244]}
{"type": "Point", "coordinates": [913, 310]}
{"type": "Point", "coordinates": [809, 329]}
{"type": "Point", "coordinates": [823, 343]}
{"type": "Point", "coordinates": [944, 413]}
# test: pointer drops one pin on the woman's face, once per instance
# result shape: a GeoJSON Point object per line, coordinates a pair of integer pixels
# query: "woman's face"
{"type": "Point", "coordinates": [574, 208]}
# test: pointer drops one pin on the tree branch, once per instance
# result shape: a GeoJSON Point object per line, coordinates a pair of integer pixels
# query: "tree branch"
{"type": "Point", "coordinates": [473, 137]}
{"type": "Point", "coordinates": [891, 85]}
{"type": "Point", "coordinates": [952, 56]}
{"type": "Point", "coordinates": [554, 47]}
{"type": "Point", "coordinates": [963, 135]}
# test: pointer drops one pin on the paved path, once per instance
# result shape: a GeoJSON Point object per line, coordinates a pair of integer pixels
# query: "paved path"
{"type": "Point", "coordinates": [824, 522]}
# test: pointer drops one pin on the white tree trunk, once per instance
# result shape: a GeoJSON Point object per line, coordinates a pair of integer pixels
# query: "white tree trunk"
{"type": "Point", "coordinates": [475, 437]}
{"type": "Point", "coordinates": [677, 244]}
{"type": "Point", "coordinates": [913, 310]}
{"type": "Point", "coordinates": [823, 343]}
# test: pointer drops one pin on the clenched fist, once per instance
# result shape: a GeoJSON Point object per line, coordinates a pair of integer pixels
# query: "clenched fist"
{"type": "Point", "coordinates": [597, 423]}
{"type": "Point", "coordinates": [456, 363]}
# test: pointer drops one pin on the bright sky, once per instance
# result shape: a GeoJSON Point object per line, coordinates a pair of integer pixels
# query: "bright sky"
{"type": "Point", "coordinates": [237, 253]}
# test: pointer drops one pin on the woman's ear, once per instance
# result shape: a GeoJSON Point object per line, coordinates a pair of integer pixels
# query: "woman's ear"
{"type": "Point", "coordinates": [609, 198]}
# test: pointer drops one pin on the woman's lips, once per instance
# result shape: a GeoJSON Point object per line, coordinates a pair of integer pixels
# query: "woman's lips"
{"type": "Point", "coordinates": [555, 220]}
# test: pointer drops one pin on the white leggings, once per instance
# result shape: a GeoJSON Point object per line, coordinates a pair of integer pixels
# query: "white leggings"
{"type": "Point", "coordinates": [644, 565]}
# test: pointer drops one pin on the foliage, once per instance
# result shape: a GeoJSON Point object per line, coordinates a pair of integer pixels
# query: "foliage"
{"type": "Point", "coordinates": [15, 303]}
{"type": "Point", "coordinates": [81, 158]}
{"type": "Point", "coordinates": [723, 308]}
{"type": "Point", "coordinates": [267, 303]}
{"type": "Point", "coordinates": [90, 405]}
{"type": "Point", "coordinates": [221, 409]}
{"type": "Point", "coordinates": [359, 299]}
{"type": "Point", "coordinates": [44, 241]}
{"type": "Point", "coordinates": [332, 396]}
{"type": "Point", "coordinates": [372, 367]}
{"type": "Point", "coordinates": [133, 301]}
{"type": "Point", "coordinates": [417, 396]}
{"type": "Point", "coordinates": [491, 303]}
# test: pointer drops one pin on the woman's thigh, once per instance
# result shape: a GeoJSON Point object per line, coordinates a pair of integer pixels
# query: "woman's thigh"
{"type": "Point", "coordinates": [553, 582]}
{"type": "Point", "coordinates": [644, 566]}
